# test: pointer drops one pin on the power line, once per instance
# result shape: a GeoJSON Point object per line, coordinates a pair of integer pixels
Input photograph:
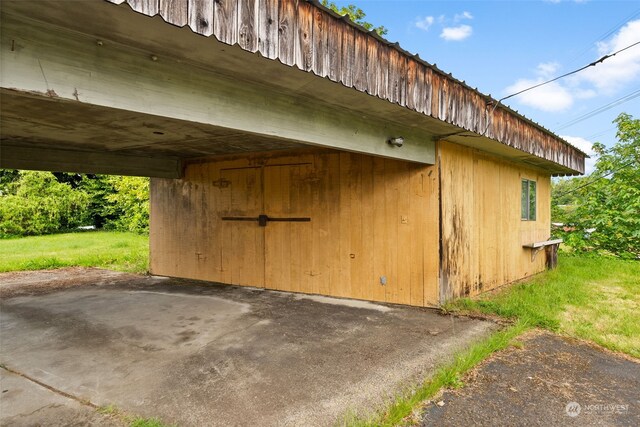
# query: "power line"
{"type": "Point", "coordinates": [593, 64]}
{"type": "Point", "coordinates": [607, 34]}
{"type": "Point", "coordinates": [602, 109]}
{"type": "Point", "coordinates": [573, 190]}
{"type": "Point", "coordinates": [595, 135]}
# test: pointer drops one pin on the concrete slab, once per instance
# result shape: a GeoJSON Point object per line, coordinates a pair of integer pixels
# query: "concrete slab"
{"type": "Point", "coordinates": [550, 381]}
{"type": "Point", "coordinates": [196, 353]}
{"type": "Point", "coordinates": [26, 403]}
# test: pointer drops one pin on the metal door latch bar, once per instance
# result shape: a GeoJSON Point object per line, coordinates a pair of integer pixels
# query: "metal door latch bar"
{"type": "Point", "coordinates": [264, 219]}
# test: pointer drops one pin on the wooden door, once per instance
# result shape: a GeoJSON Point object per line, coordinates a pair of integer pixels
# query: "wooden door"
{"type": "Point", "coordinates": [242, 246]}
{"type": "Point", "coordinates": [288, 194]}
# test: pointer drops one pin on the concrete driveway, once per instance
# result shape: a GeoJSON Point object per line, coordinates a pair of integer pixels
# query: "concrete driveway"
{"type": "Point", "coordinates": [197, 353]}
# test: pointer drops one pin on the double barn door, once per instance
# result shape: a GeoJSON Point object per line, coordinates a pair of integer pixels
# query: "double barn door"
{"type": "Point", "coordinates": [266, 225]}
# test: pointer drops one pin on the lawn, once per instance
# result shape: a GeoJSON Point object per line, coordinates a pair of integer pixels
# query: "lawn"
{"type": "Point", "coordinates": [104, 249]}
{"type": "Point", "coordinates": [591, 298]}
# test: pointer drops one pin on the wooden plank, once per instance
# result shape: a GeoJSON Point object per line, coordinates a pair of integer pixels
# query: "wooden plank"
{"type": "Point", "coordinates": [332, 257]}
{"type": "Point", "coordinates": [174, 11]}
{"type": "Point", "coordinates": [536, 245]}
{"type": "Point", "coordinates": [334, 46]}
{"type": "Point", "coordinates": [248, 15]}
{"type": "Point", "coordinates": [360, 61]}
{"type": "Point", "coordinates": [201, 16]}
{"type": "Point", "coordinates": [303, 48]}
{"type": "Point", "coordinates": [381, 270]}
{"type": "Point", "coordinates": [373, 67]}
{"type": "Point", "coordinates": [406, 233]}
{"type": "Point", "coordinates": [370, 286]}
{"type": "Point", "coordinates": [435, 94]}
{"type": "Point", "coordinates": [287, 32]}
{"type": "Point", "coordinates": [355, 251]}
{"type": "Point", "coordinates": [148, 7]}
{"type": "Point", "coordinates": [390, 189]}
{"type": "Point", "coordinates": [320, 44]}
{"type": "Point", "coordinates": [268, 29]}
{"type": "Point", "coordinates": [394, 82]}
{"type": "Point", "coordinates": [225, 21]}
{"type": "Point", "coordinates": [402, 80]}
{"type": "Point", "coordinates": [383, 79]}
{"type": "Point", "coordinates": [243, 244]}
{"type": "Point", "coordinates": [347, 288]}
{"type": "Point", "coordinates": [348, 55]}
{"type": "Point", "coordinates": [417, 235]}
{"type": "Point", "coordinates": [413, 94]}
{"type": "Point", "coordinates": [278, 255]}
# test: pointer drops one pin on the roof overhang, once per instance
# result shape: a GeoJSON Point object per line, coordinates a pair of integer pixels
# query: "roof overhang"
{"type": "Point", "coordinates": [273, 57]}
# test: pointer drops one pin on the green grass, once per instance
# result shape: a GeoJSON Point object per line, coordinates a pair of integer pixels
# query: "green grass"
{"type": "Point", "coordinates": [596, 299]}
{"type": "Point", "coordinates": [128, 419]}
{"type": "Point", "coordinates": [593, 298]}
{"type": "Point", "coordinates": [104, 249]}
{"type": "Point", "coordinates": [401, 409]}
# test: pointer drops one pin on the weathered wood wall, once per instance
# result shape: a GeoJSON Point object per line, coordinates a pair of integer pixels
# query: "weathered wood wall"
{"type": "Point", "coordinates": [370, 217]}
{"type": "Point", "coordinates": [482, 233]}
{"type": "Point", "coordinates": [305, 35]}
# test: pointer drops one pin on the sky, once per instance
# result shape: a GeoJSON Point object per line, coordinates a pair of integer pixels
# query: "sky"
{"type": "Point", "coordinates": [504, 46]}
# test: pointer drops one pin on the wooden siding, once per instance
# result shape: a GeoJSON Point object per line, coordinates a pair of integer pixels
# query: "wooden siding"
{"type": "Point", "coordinates": [370, 217]}
{"type": "Point", "coordinates": [312, 38]}
{"type": "Point", "coordinates": [481, 230]}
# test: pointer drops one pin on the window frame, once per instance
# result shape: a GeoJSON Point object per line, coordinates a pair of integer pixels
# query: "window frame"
{"type": "Point", "coordinates": [528, 199]}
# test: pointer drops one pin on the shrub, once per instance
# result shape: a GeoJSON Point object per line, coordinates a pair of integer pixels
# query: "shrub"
{"type": "Point", "coordinates": [36, 203]}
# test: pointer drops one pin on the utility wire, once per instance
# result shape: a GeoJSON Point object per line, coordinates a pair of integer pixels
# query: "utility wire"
{"type": "Point", "coordinates": [601, 109]}
{"type": "Point", "coordinates": [593, 64]}
{"type": "Point", "coordinates": [606, 34]}
{"type": "Point", "coordinates": [595, 135]}
{"type": "Point", "coordinates": [573, 190]}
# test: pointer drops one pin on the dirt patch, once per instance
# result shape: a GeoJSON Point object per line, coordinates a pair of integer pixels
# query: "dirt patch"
{"type": "Point", "coordinates": [22, 283]}
{"type": "Point", "coordinates": [548, 380]}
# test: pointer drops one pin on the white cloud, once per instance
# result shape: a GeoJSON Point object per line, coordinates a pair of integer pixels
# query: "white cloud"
{"type": "Point", "coordinates": [458, 33]}
{"type": "Point", "coordinates": [548, 69]}
{"type": "Point", "coordinates": [425, 23]}
{"type": "Point", "coordinates": [552, 97]}
{"type": "Point", "coordinates": [586, 146]}
{"type": "Point", "coordinates": [450, 28]}
{"type": "Point", "coordinates": [460, 16]}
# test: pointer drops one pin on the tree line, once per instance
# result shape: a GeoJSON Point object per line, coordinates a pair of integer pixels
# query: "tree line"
{"type": "Point", "coordinates": [600, 213]}
{"type": "Point", "coordinates": [34, 203]}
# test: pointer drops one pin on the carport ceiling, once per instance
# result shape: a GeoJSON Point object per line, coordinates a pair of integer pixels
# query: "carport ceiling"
{"type": "Point", "coordinates": [49, 122]}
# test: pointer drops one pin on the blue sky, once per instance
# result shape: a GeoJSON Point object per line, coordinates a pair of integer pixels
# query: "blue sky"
{"type": "Point", "coordinates": [501, 47]}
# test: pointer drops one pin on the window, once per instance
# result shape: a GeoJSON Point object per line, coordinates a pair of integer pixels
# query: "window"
{"type": "Point", "coordinates": [528, 211]}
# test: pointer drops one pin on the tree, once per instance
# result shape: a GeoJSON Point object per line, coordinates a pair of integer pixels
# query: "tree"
{"type": "Point", "coordinates": [128, 204]}
{"type": "Point", "coordinates": [33, 203]}
{"type": "Point", "coordinates": [356, 14]}
{"type": "Point", "coordinates": [609, 200]}
{"type": "Point", "coordinates": [36, 203]}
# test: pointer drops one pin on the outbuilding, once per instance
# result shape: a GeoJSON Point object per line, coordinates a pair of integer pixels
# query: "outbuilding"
{"type": "Point", "coordinates": [289, 148]}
